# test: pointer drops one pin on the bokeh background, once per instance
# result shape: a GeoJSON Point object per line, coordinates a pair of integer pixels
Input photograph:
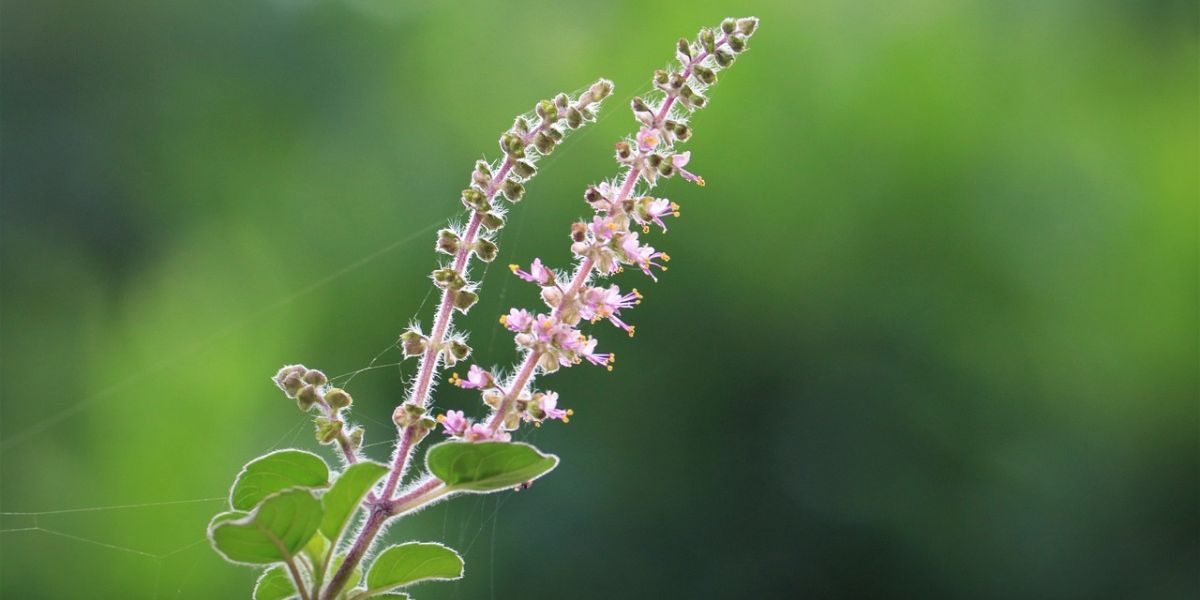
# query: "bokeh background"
{"type": "Point", "coordinates": [930, 330]}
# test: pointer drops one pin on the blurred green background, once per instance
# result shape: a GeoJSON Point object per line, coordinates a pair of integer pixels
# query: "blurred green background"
{"type": "Point", "coordinates": [930, 330]}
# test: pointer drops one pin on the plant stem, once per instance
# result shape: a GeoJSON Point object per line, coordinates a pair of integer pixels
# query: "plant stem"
{"type": "Point", "coordinates": [290, 561]}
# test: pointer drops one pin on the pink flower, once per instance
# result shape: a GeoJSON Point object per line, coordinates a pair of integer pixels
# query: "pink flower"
{"type": "Point", "coordinates": [589, 354]}
{"type": "Point", "coordinates": [538, 273]}
{"type": "Point", "coordinates": [545, 327]}
{"type": "Point", "coordinates": [652, 210]}
{"type": "Point", "coordinates": [603, 227]}
{"type": "Point", "coordinates": [517, 320]}
{"type": "Point", "coordinates": [480, 432]}
{"type": "Point", "coordinates": [679, 161]}
{"type": "Point", "coordinates": [642, 256]}
{"type": "Point", "coordinates": [647, 139]}
{"type": "Point", "coordinates": [476, 378]}
{"type": "Point", "coordinates": [548, 403]}
{"type": "Point", "coordinates": [606, 303]}
{"type": "Point", "coordinates": [454, 422]}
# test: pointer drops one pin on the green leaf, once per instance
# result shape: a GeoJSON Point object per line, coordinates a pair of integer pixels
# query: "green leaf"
{"type": "Point", "coordinates": [274, 472]}
{"type": "Point", "coordinates": [346, 494]}
{"type": "Point", "coordinates": [412, 562]}
{"type": "Point", "coordinates": [487, 466]}
{"type": "Point", "coordinates": [273, 532]}
{"type": "Point", "coordinates": [274, 584]}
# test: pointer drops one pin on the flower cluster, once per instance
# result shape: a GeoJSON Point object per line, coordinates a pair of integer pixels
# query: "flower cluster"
{"type": "Point", "coordinates": [310, 388]}
{"type": "Point", "coordinates": [607, 243]}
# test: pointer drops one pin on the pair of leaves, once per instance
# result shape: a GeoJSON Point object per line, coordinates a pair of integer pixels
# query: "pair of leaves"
{"type": "Point", "coordinates": [286, 514]}
{"type": "Point", "coordinates": [396, 567]}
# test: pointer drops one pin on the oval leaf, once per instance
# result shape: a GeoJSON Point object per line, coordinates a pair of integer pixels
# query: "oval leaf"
{"type": "Point", "coordinates": [276, 530]}
{"type": "Point", "coordinates": [274, 472]}
{"type": "Point", "coordinates": [274, 584]}
{"type": "Point", "coordinates": [412, 562]}
{"type": "Point", "coordinates": [345, 495]}
{"type": "Point", "coordinates": [487, 466]}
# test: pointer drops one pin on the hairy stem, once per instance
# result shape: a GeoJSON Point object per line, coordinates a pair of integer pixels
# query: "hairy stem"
{"type": "Point", "coordinates": [296, 578]}
{"type": "Point", "coordinates": [375, 520]}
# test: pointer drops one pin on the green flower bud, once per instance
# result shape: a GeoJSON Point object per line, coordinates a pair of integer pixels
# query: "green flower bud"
{"type": "Point", "coordinates": [639, 105]}
{"type": "Point", "coordinates": [486, 250]}
{"type": "Point", "coordinates": [464, 300]}
{"type": "Point", "coordinates": [737, 43]}
{"type": "Point", "coordinates": [291, 383]}
{"type": "Point", "coordinates": [660, 77]}
{"type": "Point", "coordinates": [708, 39]}
{"type": "Point", "coordinates": [307, 397]}
{"type": "Point", "coordinates": [413, 343]}
{"type": "Point", "coordinates": [448, 242]}
{"type": "Point", "coordinates": [666, 169]}
{"type": "Point", "coordinates": [682, 132]}
{"type": "Point", "coordinates": [724, 58]}
{"type": "Point", "coordinates": [544, 143]}
{"type": "Point", "coordinates": [315, 377]}
{"type": "Point", "coordinates": [448, 279]}
{"type": "Point", "coordinates": [356, 438]}
{"type": "Point", "coordinates": [492, 221]}
{"type": "Point", "coordinates": [547, 111]}
{"type": "Point", "coordinates": [654, 160]}
{"type": "Point", "coordinates": [705, 75]}
{"type": "Point", "coordinates": [327, 429]}
{"type": "Point", "coordinates": [561, 102]}
{"type": "Point", "coordinates": [523, 169]}
{"type": "Point", "coordinates": [624, 150]}
{"type": "Point", "coordinates": [586, 114]}
{"type": "Point", "coordinates": [728, 25]}
{"type": "Point", "coordinates": [337, 398]}
{"type": "Point", "coordinates": [678, 80]}
{"type": "Point", "coordinates": [520, 125]}
{"type": "Point", "coordinates": [684, 48]}
{"type": "Point", "coordinates": [514, 190]}
{"type": "Point", "coordinates": [482, 175]}
{"type": "Point", "coordinates": [574, 118]}
{"type": "Point", "coordinates": [747, 26]}
{"type": "Point", "coordinates": [555, 134]}
{"type": "Point", "coordinates": [512, 145]}
{"type": "Point", "coordinates": [458, 350]}
{"type": "Point", "coordinates": [600, 90]}
{"type": "Point", "coordinates": [475, 200]}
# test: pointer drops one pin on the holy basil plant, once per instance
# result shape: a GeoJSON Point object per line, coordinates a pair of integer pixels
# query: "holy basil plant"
{"type": "Point", "coordinates": [291, 515]}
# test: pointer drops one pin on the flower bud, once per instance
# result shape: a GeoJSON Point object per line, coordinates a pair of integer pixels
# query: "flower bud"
{"type": "Point", "coordinates": [408, 414]}
{"type": "Point", "coordinates": [547, 111]}
{"type": "Point", "coordinates": [660, 77]}
{"type": "Point", "coordinates": [448, 242]}
{"type": "Point", "coordinates": [475, 200]}
{"type": "Point", "coordinates": [327, 429]}
{"type": "Point", "coordinates": [685, 50]}
{"type": "Point", "coordinates": [600, 90]}
{"type": "Point", "coordinates": [514, 190]}
{"type": "Point", "coordinates": [520, 125]}
{"type": "Point", "coordinates": [555, 134]}
{"type": "Point", "coordinates": [737, 43]}
{"type": "Point", "coordinates": [544, 143]}
{"type": "Point", "coordinates": [639, 105]}
{"type": "Point", "coordinates": [448, 279]}
{"type": "Point", "coordinates": [356, 438]}
{"type": "Point", "coordinates": [728, 25]}
{"type": "Point", "coordinates": [585, 113]}
{"type": "Point", "coordinates": [458, 350]}
{"type": "Point", "coordinates": [624, 150]}
{"type": "Point", "coordinates": [413, 343]}
{"type": "Point", "coordinates": [482, 175]}
{"type": "Point", "coordinates": [492, 221]}
{"type": "Point", "coordinates": [552, 296]}
{"type": "Point", "coordinates": [677, 81]}
{"type": "Point", "coordinates": [290, 381]}
{"type": "Point", "coordinates": [705, 75]}
{"type": "Point", "coordinates": [464, 300]}
{"type": "Point", "coordinates": [724, 58]}
{"type": "Point", "coordinates": [708, 39]}
{"type": "Point", "coordinates": [747, 26]}
{"type": "Point", "coordinates": [486, 250]}
{"type": "Point", "coordinates": [512, 145]}
{"type": "Point", "coordinates": [574, 118]}
{"type": "Point", "coordinates": [315, 377]}
{"type": "Point", "coordinates": [578, 232]}
{"type": "Point", "coordinates": [492, 398]}
{"type": "Point", "coordinates": [523, 169]}
{"type": "Point", "coordinates": [337, 398]}
{"type": "Point", "coordinates": [307, 397]}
